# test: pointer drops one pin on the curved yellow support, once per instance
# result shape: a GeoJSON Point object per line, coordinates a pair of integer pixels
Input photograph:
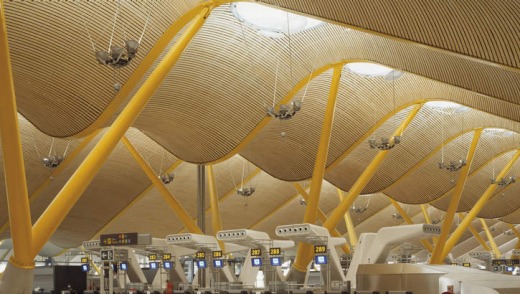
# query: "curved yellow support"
{"type": "Point", "coordinates": [454, 238]}
{"type": "Point", "coordinates": [71, 192]}
{"type": "Point", "coordinates": [14, 170]}
{"type": "Point", "coordinates": [409, 221]}
{"type": "Point", "coordinates": [455, 199]}
{"type": "Point", "coordinates": [168, 197]}
{"type": "Point", "coordinates": [491, 240]}
{"type": "Point", "coordinates": [348, 222]}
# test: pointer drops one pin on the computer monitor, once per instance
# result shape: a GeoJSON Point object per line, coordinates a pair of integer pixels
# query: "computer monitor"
{"type": "Point", "coordinates": [276, 261]}
{"type": "Point", "coordinates": [257, 261]}
{"type": "Point", "coordinates": [154, 265]}
{"type": "Point", "coordinates": [201, 263]}
{"type": "Point", "coordinates": [123, 266]}
{"type": "Point", "coordinates": [218, 263]}
{"type": "Point", "coordinates": [510, 269]}
{"type": "Point", "coordinates": [320, 259]}
{"type": "Point", "coordinates": [167, 265]}
{"type": "Point", "coordinates": [85, 267]}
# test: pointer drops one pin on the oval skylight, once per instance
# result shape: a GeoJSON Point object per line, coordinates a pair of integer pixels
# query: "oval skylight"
{"type": "Point", "coordinates": [270, 21]}
{"type": "Point", "coordinates": [447, 106]}
{"type": "Point", "coordinates": [371, 70]}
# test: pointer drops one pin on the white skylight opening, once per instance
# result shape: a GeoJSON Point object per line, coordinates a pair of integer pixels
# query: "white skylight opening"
{"type": "Point", "coordinates": [272, 22]}
{"type": "Point", "coordinates": [372, 70]}
{"type": "Point", "coordinates": [497, 132]}
{"type": "Point", "coordinates": [447, 106]}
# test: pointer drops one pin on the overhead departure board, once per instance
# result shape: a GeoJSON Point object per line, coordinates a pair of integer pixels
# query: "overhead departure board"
{"type": "Point", "coordinates": [121, 239]}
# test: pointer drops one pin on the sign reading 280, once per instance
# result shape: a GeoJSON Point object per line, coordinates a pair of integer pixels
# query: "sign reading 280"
{"type": "Point", "coordinates": [320, 248]}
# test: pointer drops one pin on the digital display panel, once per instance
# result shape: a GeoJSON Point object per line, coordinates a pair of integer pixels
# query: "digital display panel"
{"type": "Point", "coordinates": [256, 261]}
{"type": "Point", "coordinates": [84, 260]}
{"type": "Point", "coordinates": [123, 266]}
{"type": "Point", "coordinates": [276, 261]}
{"type": "Point", "coordinates": [320, 248]}
{"type": "Point", "coordinates": [121, 239]}
{"type": "Point", "coordinates": [320, 259]}
{"type": "Point", "coordinates": [154, 265]}
{"type": "Point", "coordinates": [509, 269]}
{"type": "Point", "coordinates": [152, 256]}
{"type": "Point", "coordinates": [166, 256]}
{"type": "Point", "coordinates": [217, 254]}
{"type": "Point", "coordinates": [218, 263]}
{"type": "Point", "coordinates": [200, 255]}
{"type": "Point", "coordinates": [275, 251]}
{"type": "Point", "coordinates": [167, 265]}
{"type": "Point", "coordinates": [256, 252]}
{"type": "Point", "coordinates": [85, 268]}
{"type": "Point", "coordinates": [201, 263]}
{"type": "Point", "coordinates": [466, 264]}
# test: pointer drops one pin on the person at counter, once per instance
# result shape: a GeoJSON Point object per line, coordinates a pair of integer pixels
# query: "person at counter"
{"type": "Point", "coordinates": [449, 290]}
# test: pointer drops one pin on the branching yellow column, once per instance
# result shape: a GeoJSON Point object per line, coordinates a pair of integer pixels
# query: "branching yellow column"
{"type": "Point", "coordinates": [517, 234]}
{"type": "Point", "coordinates": [492, 242]}
{"type": "Point", "coordinates": [304, 254]}
{"type": "Point", "coordinates": [181, 213]}
{"type": "Point", "coordinates": [455, 199]}
{"type": "Point", "coordinates": [409, 221]}
{"type": "Point", "coordinates": [70, 193]}
{"type": "Point", "coordinates": [216, 220]}
{"type": "Point", "coordinates": [454, 238]}
{"type": "Point", "coordinates": [365, 177]}
{"type": "Point", "coordinates": [348, 222]}
{"type": "Point", "coordinates": [14, 170]}
{"type": "Point", "coordinates": [321, 216]}
{"type": "Point", "coordinates": [476, 234]}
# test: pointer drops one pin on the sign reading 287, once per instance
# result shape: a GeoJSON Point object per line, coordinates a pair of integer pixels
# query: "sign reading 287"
{"type": "Point", "coordinates": [256, 251]}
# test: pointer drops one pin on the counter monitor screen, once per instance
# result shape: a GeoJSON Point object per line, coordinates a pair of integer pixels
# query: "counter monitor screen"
{"type": "Point", "coordinates": [509, 269]}
{"type": "Point", "coordinates": [320, 259]}
{"type": "Point", "coordinates": [153, 265]}
{"type": "Point", "coordinates": [276, 261]}
{"type": "Point", "coordinates": [217, 263]}
{"type": "Point", "coordinates": [167, 265]}
{"type": "Point", "coordinates": [123, 266]}
{"type": "Point", "coordinates": [256, 261]}
{"type": "Point", "coordinates": [201, 263]}
{"type": "Point", "coordinates": [85, 268]}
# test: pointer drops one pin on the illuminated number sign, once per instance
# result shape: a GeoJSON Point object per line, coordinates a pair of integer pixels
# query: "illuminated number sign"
{"type": "Point", "coordinates": [152, 256]}
{"type": "Point", "coordinates": [166, 256]}
{"type": "Point", "coordinates": [84, 260]}
{"type": "Point", "coordinates": [498, 262]}
{"type": "Point", "coordinates": [466, 264]}
{"type": "Point", "coordinates": [200, 255]}
{"type": "Point", "coordinates": [256, 251]}
{"type": "Point", "coordinates": [320, 248]}
{"type": "Point", "coordinates": [121, 239]}
{"type": "Point", "coordinates": [217, 254]}
{"type": "Point", "coordinates": [275, 251]}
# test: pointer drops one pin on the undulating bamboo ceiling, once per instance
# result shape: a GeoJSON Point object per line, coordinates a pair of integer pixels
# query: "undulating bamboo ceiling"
{"type": "Point", "coordinates": [216, 94]}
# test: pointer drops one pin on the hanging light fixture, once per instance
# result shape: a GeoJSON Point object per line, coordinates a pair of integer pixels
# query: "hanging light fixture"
{"type": "Point", "coordinates": [361, 204]}
{"type": "Point", "coordinates": [244, 191]}
{"type": "Point", "coordinates": [167, 178]}
{"type": "Point", "coordinates": [387, 143]}
{"type": "Point", "coordinates": [53, 159]}
{"type": "Point", "coordinates": [504, 182]}
{"type": "Point", "coordinates": [452, 165]}
{"type": "Point", "coordinates": [286, 111]}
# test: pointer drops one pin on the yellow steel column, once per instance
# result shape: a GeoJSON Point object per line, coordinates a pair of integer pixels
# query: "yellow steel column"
{"type": "Point", "coordinates": [455, 199]}
{"type": "Point", "coordinates": [425, 213]}
{"type": "Point", "coordinates": [321, 216]}
{"type": "Point", "coordinates": [409, 221]}
{"type": "Point", "coordinates": [454, 238]}
{"type": "Point", "coordinates": [183, 216]}
{"type": "Point", "coordinates": [70, 193]}
{"type": "Point", "coordinates": [14, 170]}
{"type": "Point", "coordinates": [365, 177]}
{"type": "Point", "coordinates": [476, 234]}
{"type": "Point", "coordinates": [491, 240]}
{"type": "Point", "coordinates": [304, 249]}
{"type": "Point", "coordinates": [348, 222]}
{"type": "Point", "coordinates": [216, 220]}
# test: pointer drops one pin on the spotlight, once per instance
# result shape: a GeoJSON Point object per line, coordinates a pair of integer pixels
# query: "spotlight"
{"type": "Point", "coordinates": [52, 161]}
{"type": "Point", "coordinates": [385, 143]}
{"type": "Point", "coordinates": [118, 57]}
{"type": "Point", "coordinates": [453, 165]}
{"type": "Point", "coordinates": [285, 111]}
{"type": "Point", "coordinates": [246, 191]}
{"type": "Point", "coordinates": [167, 178]}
